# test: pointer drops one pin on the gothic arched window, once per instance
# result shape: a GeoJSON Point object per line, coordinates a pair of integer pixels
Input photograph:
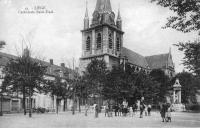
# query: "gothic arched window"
{"type": "Point", "coordinates": [88, 43]}
{"type": "Point", "coordinates": [118, 44]}
{"type": "Point", "coordinates": [99, 41]}
{"type": "Point", "coordinates": [110, 41]}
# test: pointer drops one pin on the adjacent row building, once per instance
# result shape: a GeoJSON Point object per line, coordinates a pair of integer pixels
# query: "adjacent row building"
{"type": "Point", "coordinates": [13, 102]}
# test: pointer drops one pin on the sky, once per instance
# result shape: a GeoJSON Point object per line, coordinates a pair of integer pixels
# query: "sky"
{"type": "Point", "coordinates": [56, 35]}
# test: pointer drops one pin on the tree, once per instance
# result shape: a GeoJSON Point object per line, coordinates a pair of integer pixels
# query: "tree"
{"type": "Point", "coordinates": [59, 89]}
{"type": "Point", "coordinates": [113, 84]}
{"type": "Point", "coordinates": [187, 14]}
{"type": "Point", "coordinates": [25, 74]}
{"type": "Point", "coordinates": [130, 85]}
{"type": "Point", "coordinates": [192, 56]}
{"type": "Point", "coordinates": [186, 20]}
{"type": "Point", "coordinates": [95, 76]}
{"type": "Point", "coordinates": [80, 87]}
{"type": "Point", "coordinates": [190, 86]}
{"type": "Point", "coordinates": [163, 83]}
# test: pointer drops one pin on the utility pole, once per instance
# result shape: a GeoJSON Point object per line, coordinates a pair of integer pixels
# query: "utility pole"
{"type": "Point", "coordinates": [1, 113]}
{"type": "Point", "coordinates": [73, 108]}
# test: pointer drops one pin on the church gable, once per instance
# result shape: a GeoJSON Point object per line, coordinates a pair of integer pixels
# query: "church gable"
{"type": "Point", "coordinates": [157, 61]}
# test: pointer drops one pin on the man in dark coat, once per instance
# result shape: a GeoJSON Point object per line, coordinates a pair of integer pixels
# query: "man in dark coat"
{"type": "Point", "coordinates": [142, 107]}
{"type": "Point", "coordinates": [163, 111]}
{"type": "Point", "coordinates": [116, 109]}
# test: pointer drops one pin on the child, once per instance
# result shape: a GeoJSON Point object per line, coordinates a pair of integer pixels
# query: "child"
{"type": "Point", "coordinates": [131, 111]}
{"type": "Point", "coordinates": [149, 110]}
{"type": "Point", "coordinates": [168, 115]}
{"type": "Point", "coordinates": [86, 109]}
{"type": "Point", "coordinates": [145, 110]}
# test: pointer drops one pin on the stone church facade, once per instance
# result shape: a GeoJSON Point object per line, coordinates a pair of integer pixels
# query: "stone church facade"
{"type": "Point", "coordinates": [103, 39]}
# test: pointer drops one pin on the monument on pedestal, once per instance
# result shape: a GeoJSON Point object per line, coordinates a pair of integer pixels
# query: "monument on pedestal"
{"type": "Point", "coordinates": [177, 105]}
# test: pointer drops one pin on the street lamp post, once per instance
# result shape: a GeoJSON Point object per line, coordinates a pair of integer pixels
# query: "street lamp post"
{"type": "Point", "coordinates": [1, 112]}
{"type": "Point", "coordinates": [73, 112]}
{"type": "Point", "coordinates": [73, 97]}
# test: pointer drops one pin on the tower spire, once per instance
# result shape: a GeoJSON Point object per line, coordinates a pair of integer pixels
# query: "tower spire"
{"type": "Point", "coordinates": [103, 13]}
{"type": "Point", "coordinates": [86, 18]}
{"type": "Point", "coordinates": [103, 5]}
{"type": "Point", "coordinates": [119, 14]}
{"type": "Point", "coordinates": [119, 19]}
{"type": "Point", "coordinates": [86, 12]}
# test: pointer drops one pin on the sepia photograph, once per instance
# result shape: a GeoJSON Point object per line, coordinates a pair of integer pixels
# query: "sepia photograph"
{"type": "Point", "coordinates": [99, 63]}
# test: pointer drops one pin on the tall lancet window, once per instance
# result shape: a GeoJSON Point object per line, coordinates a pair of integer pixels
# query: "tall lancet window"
{"type": "Point", "coordinates": [110, 41]}
{"type": "Point", "coordinates": [88, 44]}
{"type": "Point", "coordinates": [118, 43]}
{"type": "Point", "coordinates": [99, 41]}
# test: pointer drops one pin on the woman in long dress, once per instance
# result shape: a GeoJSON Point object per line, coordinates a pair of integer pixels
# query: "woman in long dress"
{"type": "Point", "coordinates": [163, 112]}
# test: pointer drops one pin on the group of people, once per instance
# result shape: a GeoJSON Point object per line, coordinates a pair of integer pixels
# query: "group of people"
{"type": "Point", "coordinates": [165, 112]}
{"type": "Point", "coordinates": [145, 109]}
{"type": "Point", "coordinates": [120, 110]}
{"type": "Point", "coordinates": [129, 110]}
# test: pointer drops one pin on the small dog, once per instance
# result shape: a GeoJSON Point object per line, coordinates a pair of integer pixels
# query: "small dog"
{"type": "Point", "coordinates": [168, 117]}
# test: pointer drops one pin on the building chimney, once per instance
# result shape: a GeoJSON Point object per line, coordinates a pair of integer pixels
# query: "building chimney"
{"type": "Point", "coordinates": [62, 65]}
{"type": "Point", "coordinates": [26, 52]}
{"type": "Point", "coordinates": [51, 61]}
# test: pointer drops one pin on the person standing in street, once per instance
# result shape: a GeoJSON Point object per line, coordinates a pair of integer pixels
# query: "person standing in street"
{"type": "Point", "coordinates": [86, 109]}
{"type": "Point", "coordinates": [116, 109]}
{"type": "Point", "coordinates": [145, 109]}
{"type": "Point", "coordinates": [141, 109]}
{"type": "Point", "coordinates": [96, 111]}
{"type": "Point", "coordinates": [106, 110]}
{"type": "Point", "coordinates": [149, 110]}
{"type": "Point", "coordinates": [163, 112]}
{"type": "Point", "coordinates": [120, 110]}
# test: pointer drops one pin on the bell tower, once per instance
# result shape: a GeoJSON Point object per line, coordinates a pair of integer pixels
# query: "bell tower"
{"type": "Point", "coordinates": [103, 38]}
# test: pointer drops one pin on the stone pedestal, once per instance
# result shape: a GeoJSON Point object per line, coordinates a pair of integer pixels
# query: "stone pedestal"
{"type": "Point", "coordinates": [177, 105]}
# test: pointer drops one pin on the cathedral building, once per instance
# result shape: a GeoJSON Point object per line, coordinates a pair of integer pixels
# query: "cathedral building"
{"type": "Point", "coordinates": [103, 39]}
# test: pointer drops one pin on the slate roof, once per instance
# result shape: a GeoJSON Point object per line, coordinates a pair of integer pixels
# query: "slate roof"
{"type": "Point", "coordinates": [5, 58]}
{"type": "Point", "coordinates": [51, 69]}
{"type": "Point", "coordinates": [157, 61]}
{"type": "Point", "coordinates": [134, 58]}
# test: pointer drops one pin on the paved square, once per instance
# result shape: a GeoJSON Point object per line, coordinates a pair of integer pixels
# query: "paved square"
{"type": "Point", "coordinates": [66, 120]}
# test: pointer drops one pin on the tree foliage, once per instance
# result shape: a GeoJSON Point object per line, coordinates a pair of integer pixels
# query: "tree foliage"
{"type": "Point", "coordinates": [192, 56]}
{"type": "Point", "coordinates": [24, 71]}
{"type": "Point", "coordinates": [124, 83]}
{"type": "Point", "coordinates": [95, 76]}
{"type": "Point", "coordinates": [163, 84]}
{"type": "Point", "coordinates": [187, 14]}
{"type": "Point", "coordinates": [24, 75]}
{"type": "Point", "coordinates": [58, 88]}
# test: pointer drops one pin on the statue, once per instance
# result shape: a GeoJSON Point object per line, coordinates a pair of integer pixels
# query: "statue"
{"type": "Point", "coordinates": [177, 96]}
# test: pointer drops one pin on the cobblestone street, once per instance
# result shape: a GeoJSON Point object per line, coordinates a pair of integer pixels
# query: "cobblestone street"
{"type": "Point", "coordinates": [66, 120]}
